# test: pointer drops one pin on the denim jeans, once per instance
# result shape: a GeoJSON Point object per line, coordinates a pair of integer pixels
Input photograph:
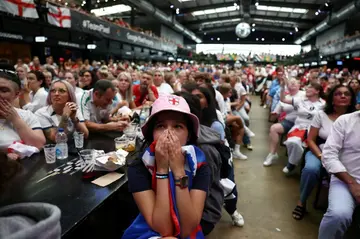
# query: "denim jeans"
{"type": "Point", "coordinates": [338, 216]}
{"type": "Point", "coordinates": [309, 176]}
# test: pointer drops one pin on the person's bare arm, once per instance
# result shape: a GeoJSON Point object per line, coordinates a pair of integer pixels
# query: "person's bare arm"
{"type": "Point", "coordinates": [111, 126]}
{"type": "Point", "coordinates": [311, 140]}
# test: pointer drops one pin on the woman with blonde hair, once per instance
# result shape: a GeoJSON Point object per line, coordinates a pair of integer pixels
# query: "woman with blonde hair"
{"type": "Point", "coordinates": [125, 96]}
{"type": "Point", "coordinates": [61, 111]}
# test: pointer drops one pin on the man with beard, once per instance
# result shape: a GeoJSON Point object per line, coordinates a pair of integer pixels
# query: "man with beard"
{"type": "Point", "coordinates": [146, 91]}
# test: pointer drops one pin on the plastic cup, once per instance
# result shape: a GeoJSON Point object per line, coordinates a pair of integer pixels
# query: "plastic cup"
{"type": "Point", "coordinates": [87, 155]}
{"type": "Point", "coordinates": [50, 153]}
{"type": "Point", "coordinates": [79, 140]}
{"type": "Point", "coordinates": [125, 143]}
{"type": "Point", "coordinates": [131, 129]}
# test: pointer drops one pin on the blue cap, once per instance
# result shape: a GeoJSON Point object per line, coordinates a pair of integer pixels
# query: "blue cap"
{"type": "Point", "coordinates": [60, 130]}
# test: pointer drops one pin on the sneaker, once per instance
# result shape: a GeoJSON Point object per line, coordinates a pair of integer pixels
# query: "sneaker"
{"type": "Point", "coordinates": [239, 155]}
{"type": "Point", "coordinates": [249, 133]}
{"type": "Point", "coordinates": [270, 159]}
{"type": "Point", "coordinates": [265, 106]}
{"type": "Point", "coordinates": [288, 169]}
{"type": "Point", "coordinates": [249, 147]}
{"type": "Point", "coordinates": [237, 219]}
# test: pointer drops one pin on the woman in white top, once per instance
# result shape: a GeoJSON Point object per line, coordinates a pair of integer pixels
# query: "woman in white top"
{"type": "Point", "coordinates": [161, 85]}
{"type": "Point", "coordinates": [306, 109]}
{"type": "Point", "coordinates": [33, 96]}
{"type": "Point", "coordinates": [72, 78]}
{"type": "Point", "coordinates": [341, 100]}
{"type": "Point", "coordinates": [125, 95]}
{"type": "Point", "coordinates": [61, 111]}
{"type": "Point", "coordinates": [293, 91]}
{"type": "Point", "coordinates": [16, 124]}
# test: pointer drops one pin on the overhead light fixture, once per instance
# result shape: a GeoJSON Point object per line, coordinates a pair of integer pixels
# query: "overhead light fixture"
{"type": "Point", "coordinates": [111, 10]}
{"type": "Point", "coordinates": [171, 6]}
{"type": "Point", "coordinates": [281, 9]}
{"type": "Point", "coordinates": [326, 4]}
{"type": "Point", "coordinates": [40, 39]}
{"type": "Point", "coordinates": [205, 33]}
{"type": "Point", "coordinates": [185, 0]}
{"type": "Point", "coordinates": [212, 38]}
{"type": "Point", "coordinates": [296, 29]}
{"type": "Point", "coordinates": [253, 24]}
{"type": "Point", "coordinates": [291, 33]}
{"type": "Point", "coordinates": [91, 46]}
{"type": "Point", "coordinates": [177, 10]}
{"type": "Point", "coordinates": [238, 39]}
{"type": "Point", "coordinates": [215, 10]}
{"type": "Point", "coordinates": [218, 38]}
{"type": "Point", "coordinates": [98, 1]}
{"type": "Point", "coordinates": [235, 4]}
{"type": "Point", "coordinates": [253, 29]}
{"type": "Point", "coordinates": [225, 21]}
{"type": "Point", "coordinates": [257, 4]}
{"type": "Point", "coordinates": [283, 39]}
{"type": "Point", "coordinates": [257, 39]}
{"type": "Point", "coordinates": [106, 0]}
{"type": "Point", "coordinates": [316, 13]}
{"type": "Point", "coordinates": [263, 39]}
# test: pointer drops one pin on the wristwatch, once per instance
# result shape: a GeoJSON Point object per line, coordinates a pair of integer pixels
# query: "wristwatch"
{"type": "Point", "coordinates": [182, 182]}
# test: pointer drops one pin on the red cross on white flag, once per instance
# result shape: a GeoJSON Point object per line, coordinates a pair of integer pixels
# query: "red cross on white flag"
{"type": "Point", "coordinates": [22, 8]}
{"type": "Point", "coordinates": [173, 100]}
{"type": "Point", "coordinates": [59, 16]}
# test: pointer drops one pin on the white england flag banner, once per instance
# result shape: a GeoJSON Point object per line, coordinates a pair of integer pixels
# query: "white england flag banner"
{"type": "Point", "coordinates": [22, 8]}
{"type": "Point", "coordinates": [59, 16]}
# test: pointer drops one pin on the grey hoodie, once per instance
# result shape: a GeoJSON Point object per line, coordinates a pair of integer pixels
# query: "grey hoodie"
{"type": "Point", "coordinates": [30, 221]}
{"type": "Point", "coordinates": [215, 197]}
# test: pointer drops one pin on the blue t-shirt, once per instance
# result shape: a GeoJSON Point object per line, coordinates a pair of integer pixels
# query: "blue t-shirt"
{"type": "Point", "coordinates": [274, 87]}
{"type": "Point", "coordinates": [219, 128]}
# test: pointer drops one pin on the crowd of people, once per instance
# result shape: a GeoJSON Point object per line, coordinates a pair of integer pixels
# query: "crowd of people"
{"type": "Point", "coordinates": [199, 123]}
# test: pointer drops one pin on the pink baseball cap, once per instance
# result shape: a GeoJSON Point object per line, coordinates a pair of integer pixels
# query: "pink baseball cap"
{"type": "Point", "coordinates": [167, 102]}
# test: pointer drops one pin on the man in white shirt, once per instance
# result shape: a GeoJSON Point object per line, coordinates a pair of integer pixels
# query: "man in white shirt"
{"type": "Point", "coordinates": [341, 158]}
{"type": "Point", "coordinates": [95, 107]}
{"type": "Point", "coordinates": [161, 86]}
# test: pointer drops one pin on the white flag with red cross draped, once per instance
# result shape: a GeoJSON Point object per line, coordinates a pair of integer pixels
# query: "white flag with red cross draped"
{"type": "Point", "coordinates": [22, 8]}
{"type": "Point", "coordinates": [59, 16]}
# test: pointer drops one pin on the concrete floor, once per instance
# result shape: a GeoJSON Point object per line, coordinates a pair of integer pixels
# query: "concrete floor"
{"type": "Point", "coordinates": [266, 196]}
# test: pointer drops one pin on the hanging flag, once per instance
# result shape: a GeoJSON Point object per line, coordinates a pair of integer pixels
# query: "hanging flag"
{"type": "Point", "coordinates": [59, 16]}
{"type": "Point", "coordinates": [22, 8]}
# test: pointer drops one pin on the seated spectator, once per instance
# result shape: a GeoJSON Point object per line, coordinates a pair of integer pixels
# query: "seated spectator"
{"type": "Point", "coordinates": [124, 95]}
{"type": "Point", "coordinates": [61, 112]}
{"type": "Point", "coordinates": [284, 126]}
{"type": "Point", "coordinates": [33, 96]}
{"type": "Point", "coordinates": [72, 78]}
{"type": "Point", "coordinates": [16, 124]}
{"type": "Point", "coordinates": [35, 64]}
{"type": "Point", "coordinates": [331, 84]}
{"type": "Point", "coordinates": [169, 130]}
{"type": "Point", "coordinates": [95, 107]}
{"type": "Point", "coordinates": [22, 73]}
{"type": "Point", "coordinates": [341, 100]}
{"type": "Point", "coordinates": [135, 76]}
{"type": "Point", "coordinates": [306, 110]}
{"type": "Point", "coordinates": [181, 79]}
{"type": "Point", "coordinates": [145, 93]}
{"type": "Point", "coordinates": [87, 80]}
{"type": "Point", "coordinates": [341, 159]}
{"type": "Point", "coordinates": [355, 86]}
{"type": "Point", "coordinates": [161, 86]}
{"type": "Point", "coordinates": [170, 79]}
{"type": "Point", "coordinates": [48, 79]}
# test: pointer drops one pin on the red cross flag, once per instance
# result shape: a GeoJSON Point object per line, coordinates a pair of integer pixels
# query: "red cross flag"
{"type": "Point", "coordinates": [22, 8]}
{"type": "Point", "coordinates": [173, 100]}
{"type": "Point", "coordinates": [59, 16]}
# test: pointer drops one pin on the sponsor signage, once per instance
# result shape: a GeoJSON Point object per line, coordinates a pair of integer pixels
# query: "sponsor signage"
{"type": "Point", "coordinates": [14, 36]}
{"type": "Point", "coordinates": [341, 47]}
{"type": "Point", "coordinates": [71, 44]}
{"type": "Point", "coordinates": [102, 28]}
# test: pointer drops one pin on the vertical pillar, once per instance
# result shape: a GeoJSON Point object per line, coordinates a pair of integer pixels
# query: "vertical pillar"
{"type": "Point", "coordinates": [132, 17]}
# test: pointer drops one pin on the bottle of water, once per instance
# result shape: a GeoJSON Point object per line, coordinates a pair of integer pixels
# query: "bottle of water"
{"type": "Point", "coordinates": [144, 114]}
{"type": "Point", "coordinates": [61, 144]}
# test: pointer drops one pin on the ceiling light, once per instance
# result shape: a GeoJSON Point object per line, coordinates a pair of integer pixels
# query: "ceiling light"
{"type": "Point", "coordinates": [283, 39]}
{"type": "Point", "coordinates": [253, 29]}
{"type": "Point", "coordinates": [291, 33]}
{"type": "Point", "coordinates": [253, 24]}
{"type": "Point", "coordinates": [281, 9]}
{"type": "Point", "coordinates": [225, 21]}
{"type": "Point", "coordinates": [185, 0]}
{"type": "Point", "coordinates": [238, 39]}
{"type": "Point", "coordinates": [171, 6]}
{"type": "Point", "coordinates": [215, 10]}
{"type": "Point", "coordinates": [177, 10]}
{"type": "Point", "coordinates": [106, 0]}
{"type": "Point", "coordinates": [212, 38]}
{"type": "Point", "coordinates": [316, 13]}
{"type": "Point", "coordinates": [235, 4]}
{"type": "Point", "coordinates": [257, 39]}
{"type": "Point", "coordinates": [263, 39]}
{"type": "Point", "coordinates": [111, 10]}
{"type": "Point", "coordinates": [257, 4]}
{"type": "Point", "coordinates": [98, 1]}
{"type": "Point", "coordinates": [326, 4]}
{"type": "Point", "coordinates": [296, 29]}
{"type": "Point", "coordinates": [218, 38]}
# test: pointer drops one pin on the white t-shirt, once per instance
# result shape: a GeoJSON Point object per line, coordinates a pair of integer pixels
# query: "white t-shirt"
{"type": "Point", "coordinates": [291, 114]}
{"type": "Point", "coordinates": [7, 132]}
{"type": "Point", "coordinates": [219, 98]}
{"type": "Point", "coordinates": [220, 117]}
{"type": "Point", "coordinates": [165, 88]}
{"type": "Point", "coordinates": [78, 93]}
{"type": "Point", "coordinates": [324, 124]}
{"type": "Point", "coordinates": [90, 112]}
{"type": "Point", "coordinates": [306, 110]}
{"type": "Point", "coordinates": [49, 119]}
{"type": "Point", "coordinates": [37, 100]}
{"type": "Point", "coordinates": [240, 89]}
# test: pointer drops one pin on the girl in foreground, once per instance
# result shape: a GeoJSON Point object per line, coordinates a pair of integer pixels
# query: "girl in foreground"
{"type": "Point", "coordinates": [169, 183]}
